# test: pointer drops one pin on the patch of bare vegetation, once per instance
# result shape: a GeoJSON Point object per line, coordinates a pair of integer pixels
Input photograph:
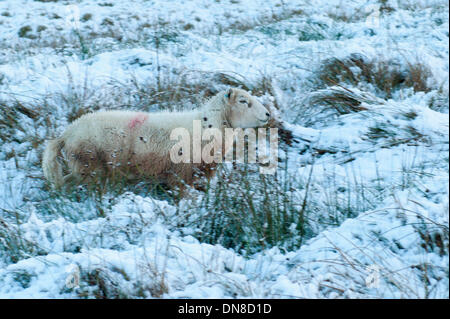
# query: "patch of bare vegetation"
{"type": "Point", "coordinates": [111, 282]}
{"type": "Point", "coordinates": [439, 101]}
{"type": "Point", "coordinates": [328, 103]}
{"type": "Point", "coordinates": [358, 14]}
{"type": "Point", "coordinates": [386, 76]}
{"type": "Point", "coordinates": [269, 18]}
{"type": "Point", "coordinates": [413, 5]}
{"type": "Point", "coordinates": [342, 85]}
{"type": "Point", "coordinates": [341, 15]}
{"type": "Point", "coordinates": [101, 283]}
{"type": "Point", "coordinates": [13, 245]}
{"type": "Point", "coordinates": [339, 100]}
{"type": "Point", "coordinates": [388, 136]}
{"type": "Point", "coordinates": [15, 117]}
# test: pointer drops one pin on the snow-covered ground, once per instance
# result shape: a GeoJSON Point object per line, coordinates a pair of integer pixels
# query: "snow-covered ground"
{"type": "Point", "coordinates": [358, 207]}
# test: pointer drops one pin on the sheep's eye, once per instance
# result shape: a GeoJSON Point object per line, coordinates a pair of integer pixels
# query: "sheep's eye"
{"type": "Point", "coordinates": [243, 102]}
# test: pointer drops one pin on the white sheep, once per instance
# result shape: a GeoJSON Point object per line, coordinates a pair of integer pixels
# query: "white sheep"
{"type": "Point", "coordinates": [133, 145]}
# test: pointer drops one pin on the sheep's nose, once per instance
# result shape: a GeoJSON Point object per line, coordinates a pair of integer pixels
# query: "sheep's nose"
{"type": "Point", "coordinates": [268, 114]}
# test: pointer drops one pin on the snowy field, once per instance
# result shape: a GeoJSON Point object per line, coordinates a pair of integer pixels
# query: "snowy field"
{"type": "Point", "coordinates": [358, 207]}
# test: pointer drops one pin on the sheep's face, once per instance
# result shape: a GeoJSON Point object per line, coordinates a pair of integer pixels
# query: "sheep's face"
{"type": "Point", "coordinates": [245, 110]}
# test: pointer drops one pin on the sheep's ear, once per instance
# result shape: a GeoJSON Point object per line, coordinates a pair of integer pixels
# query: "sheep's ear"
{"type": "Point", "coordinates": [229, 94]}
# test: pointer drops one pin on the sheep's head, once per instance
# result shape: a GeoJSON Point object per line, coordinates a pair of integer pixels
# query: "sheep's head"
{"type": "Point", "coordinates": [245, 110]}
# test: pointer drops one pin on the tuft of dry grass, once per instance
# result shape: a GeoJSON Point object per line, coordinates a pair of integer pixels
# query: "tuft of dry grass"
{"type": "Point", "coordinates": [338, 100]}
{"type": "Point", "coordinates": [387, 136]}
{"type": "Point", "coordinates": [101, 284]}
{"type": "Point", "coordinates": [110, 282]}
{"type": "Point", "coordinates": [340, 86]}
{"type": "Point", "coordinates": [273, 17]}
{"type": "Point", "coordinates": [440, 100]}
{"type": "Point", "coordinates": [24, 32]}
{"type": "Point", "coordinates": [86, 17]}
{"type": "Point", "coordinates": [11, 114]}
{"type": "Point", "coordinates": [341, 101]}
{"type": "Point", "coordinates": [386, 76]}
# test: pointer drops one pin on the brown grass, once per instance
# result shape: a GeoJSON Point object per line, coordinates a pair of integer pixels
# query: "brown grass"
{"type": "Point", "coordinates": [342, 102]}
{"type": "Point", "coordinates": [244, 26]}
{"type": "Point", "coordinates": [339, 100]}
{"type": "Point", "coordinates": [386, 76]}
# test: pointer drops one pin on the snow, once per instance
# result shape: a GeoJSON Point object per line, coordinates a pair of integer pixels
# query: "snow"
{"type": "Point", "coordinates": [394, 184]}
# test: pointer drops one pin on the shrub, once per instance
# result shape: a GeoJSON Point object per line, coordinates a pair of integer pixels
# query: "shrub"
{"type": "Point", "coordinates": [386, 76]}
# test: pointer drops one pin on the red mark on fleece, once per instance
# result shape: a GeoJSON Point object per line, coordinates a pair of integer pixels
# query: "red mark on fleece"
{"type": "Point", "coordinates": [137, 120]}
